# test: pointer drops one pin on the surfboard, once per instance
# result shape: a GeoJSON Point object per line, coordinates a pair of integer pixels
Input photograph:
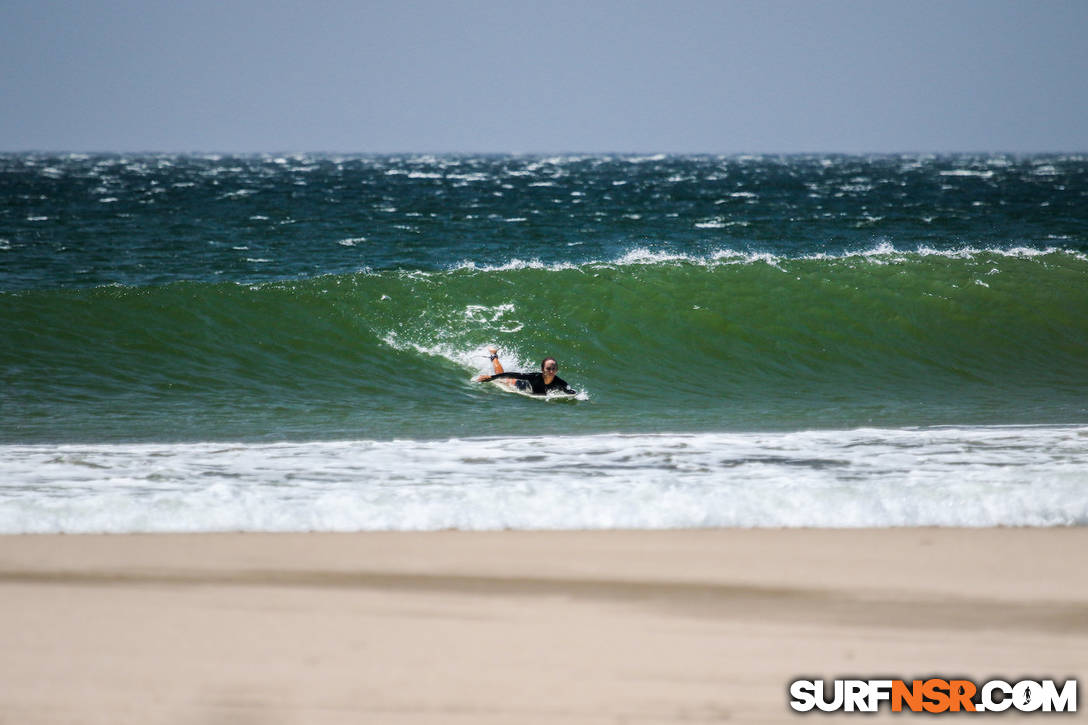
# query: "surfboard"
{"type": "Point", "coordinates": [525, 390]}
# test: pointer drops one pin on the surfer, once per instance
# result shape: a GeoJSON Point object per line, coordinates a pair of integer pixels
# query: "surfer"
{"type": "Point", "coordinates": [538, 383]}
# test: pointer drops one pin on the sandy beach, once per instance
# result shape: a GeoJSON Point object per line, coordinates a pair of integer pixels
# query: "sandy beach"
{"type": "Point", "coordinates": [520, 627]}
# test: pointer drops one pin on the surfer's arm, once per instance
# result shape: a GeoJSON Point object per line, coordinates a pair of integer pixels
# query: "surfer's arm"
{"type": "Point", "coordinates": [496, 366]}
{"type": "Point", "coordinates": [496, 376]}
{"type": "Point", "coordinates": [513, 376]}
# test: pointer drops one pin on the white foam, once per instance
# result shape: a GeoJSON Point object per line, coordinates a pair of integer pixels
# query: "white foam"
{"type": "Point", "coordinates": [475, 176]}
{"type": "Point", "coordinates": [487, 313]}
{"type": "Point", "coordinates": [471, 358]}
{"type": "Point", "coordinates": [971, 252]}
{"type": "Point", "coordinates": [238, 194]}
{"type": "Point", "coordinates": [974, 476]}
{"type": "Point", "coordinates": [882, 252]}
{"type": "Point", "coordinates": [448, 352]}
{"type": "Point", "coordinates": [968, 172]}
{"type": "Point", "coordinates": [515, 264]}
{"type": "Point", "coordinates": [641, 255]}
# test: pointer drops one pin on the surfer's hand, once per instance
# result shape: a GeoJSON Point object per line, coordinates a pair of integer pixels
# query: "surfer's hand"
{"type": "Point", "coordinates": [481, 378]}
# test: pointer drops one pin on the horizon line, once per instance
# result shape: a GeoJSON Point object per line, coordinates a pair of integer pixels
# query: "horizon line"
{"type": "Point", "coordinates": [405, 152]}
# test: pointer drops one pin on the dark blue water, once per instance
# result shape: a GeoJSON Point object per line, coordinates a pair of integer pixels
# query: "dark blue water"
{"type": "Point", "coordinates": [143, 220]}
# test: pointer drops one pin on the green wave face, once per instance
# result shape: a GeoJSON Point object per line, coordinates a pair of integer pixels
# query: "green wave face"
{"type": "Point", "coordinates": [654, 344]}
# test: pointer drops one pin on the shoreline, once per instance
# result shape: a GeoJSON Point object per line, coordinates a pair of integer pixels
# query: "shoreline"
{"type": "Point", "coordinates": [702, 625]}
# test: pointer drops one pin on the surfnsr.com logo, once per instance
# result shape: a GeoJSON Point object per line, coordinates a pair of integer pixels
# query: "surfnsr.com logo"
{"type": "Point", "coordinates": [933, 695]}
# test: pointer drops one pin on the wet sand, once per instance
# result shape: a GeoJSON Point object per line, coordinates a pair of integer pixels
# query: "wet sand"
{"type": "Point", "coordinates": [521, 627]}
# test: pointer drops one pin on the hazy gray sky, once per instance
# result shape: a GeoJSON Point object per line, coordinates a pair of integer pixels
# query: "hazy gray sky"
{"type": "Point", "coordinates": [523, 76]}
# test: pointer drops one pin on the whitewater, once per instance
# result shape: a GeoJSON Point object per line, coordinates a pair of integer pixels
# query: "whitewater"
{"type": "Point", "coordinates": [981, 476]}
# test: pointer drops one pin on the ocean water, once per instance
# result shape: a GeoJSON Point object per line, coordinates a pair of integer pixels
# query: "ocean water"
{"type": "Point", "coordinates": [287, 342]}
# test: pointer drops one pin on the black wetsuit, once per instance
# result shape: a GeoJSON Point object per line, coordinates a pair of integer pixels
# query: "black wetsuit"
{"type": "Point", "coordinates": [536, 382]}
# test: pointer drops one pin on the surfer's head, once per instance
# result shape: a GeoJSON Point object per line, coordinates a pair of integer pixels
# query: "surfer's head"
{"type": "Point", "coordinates": [549, 366]}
